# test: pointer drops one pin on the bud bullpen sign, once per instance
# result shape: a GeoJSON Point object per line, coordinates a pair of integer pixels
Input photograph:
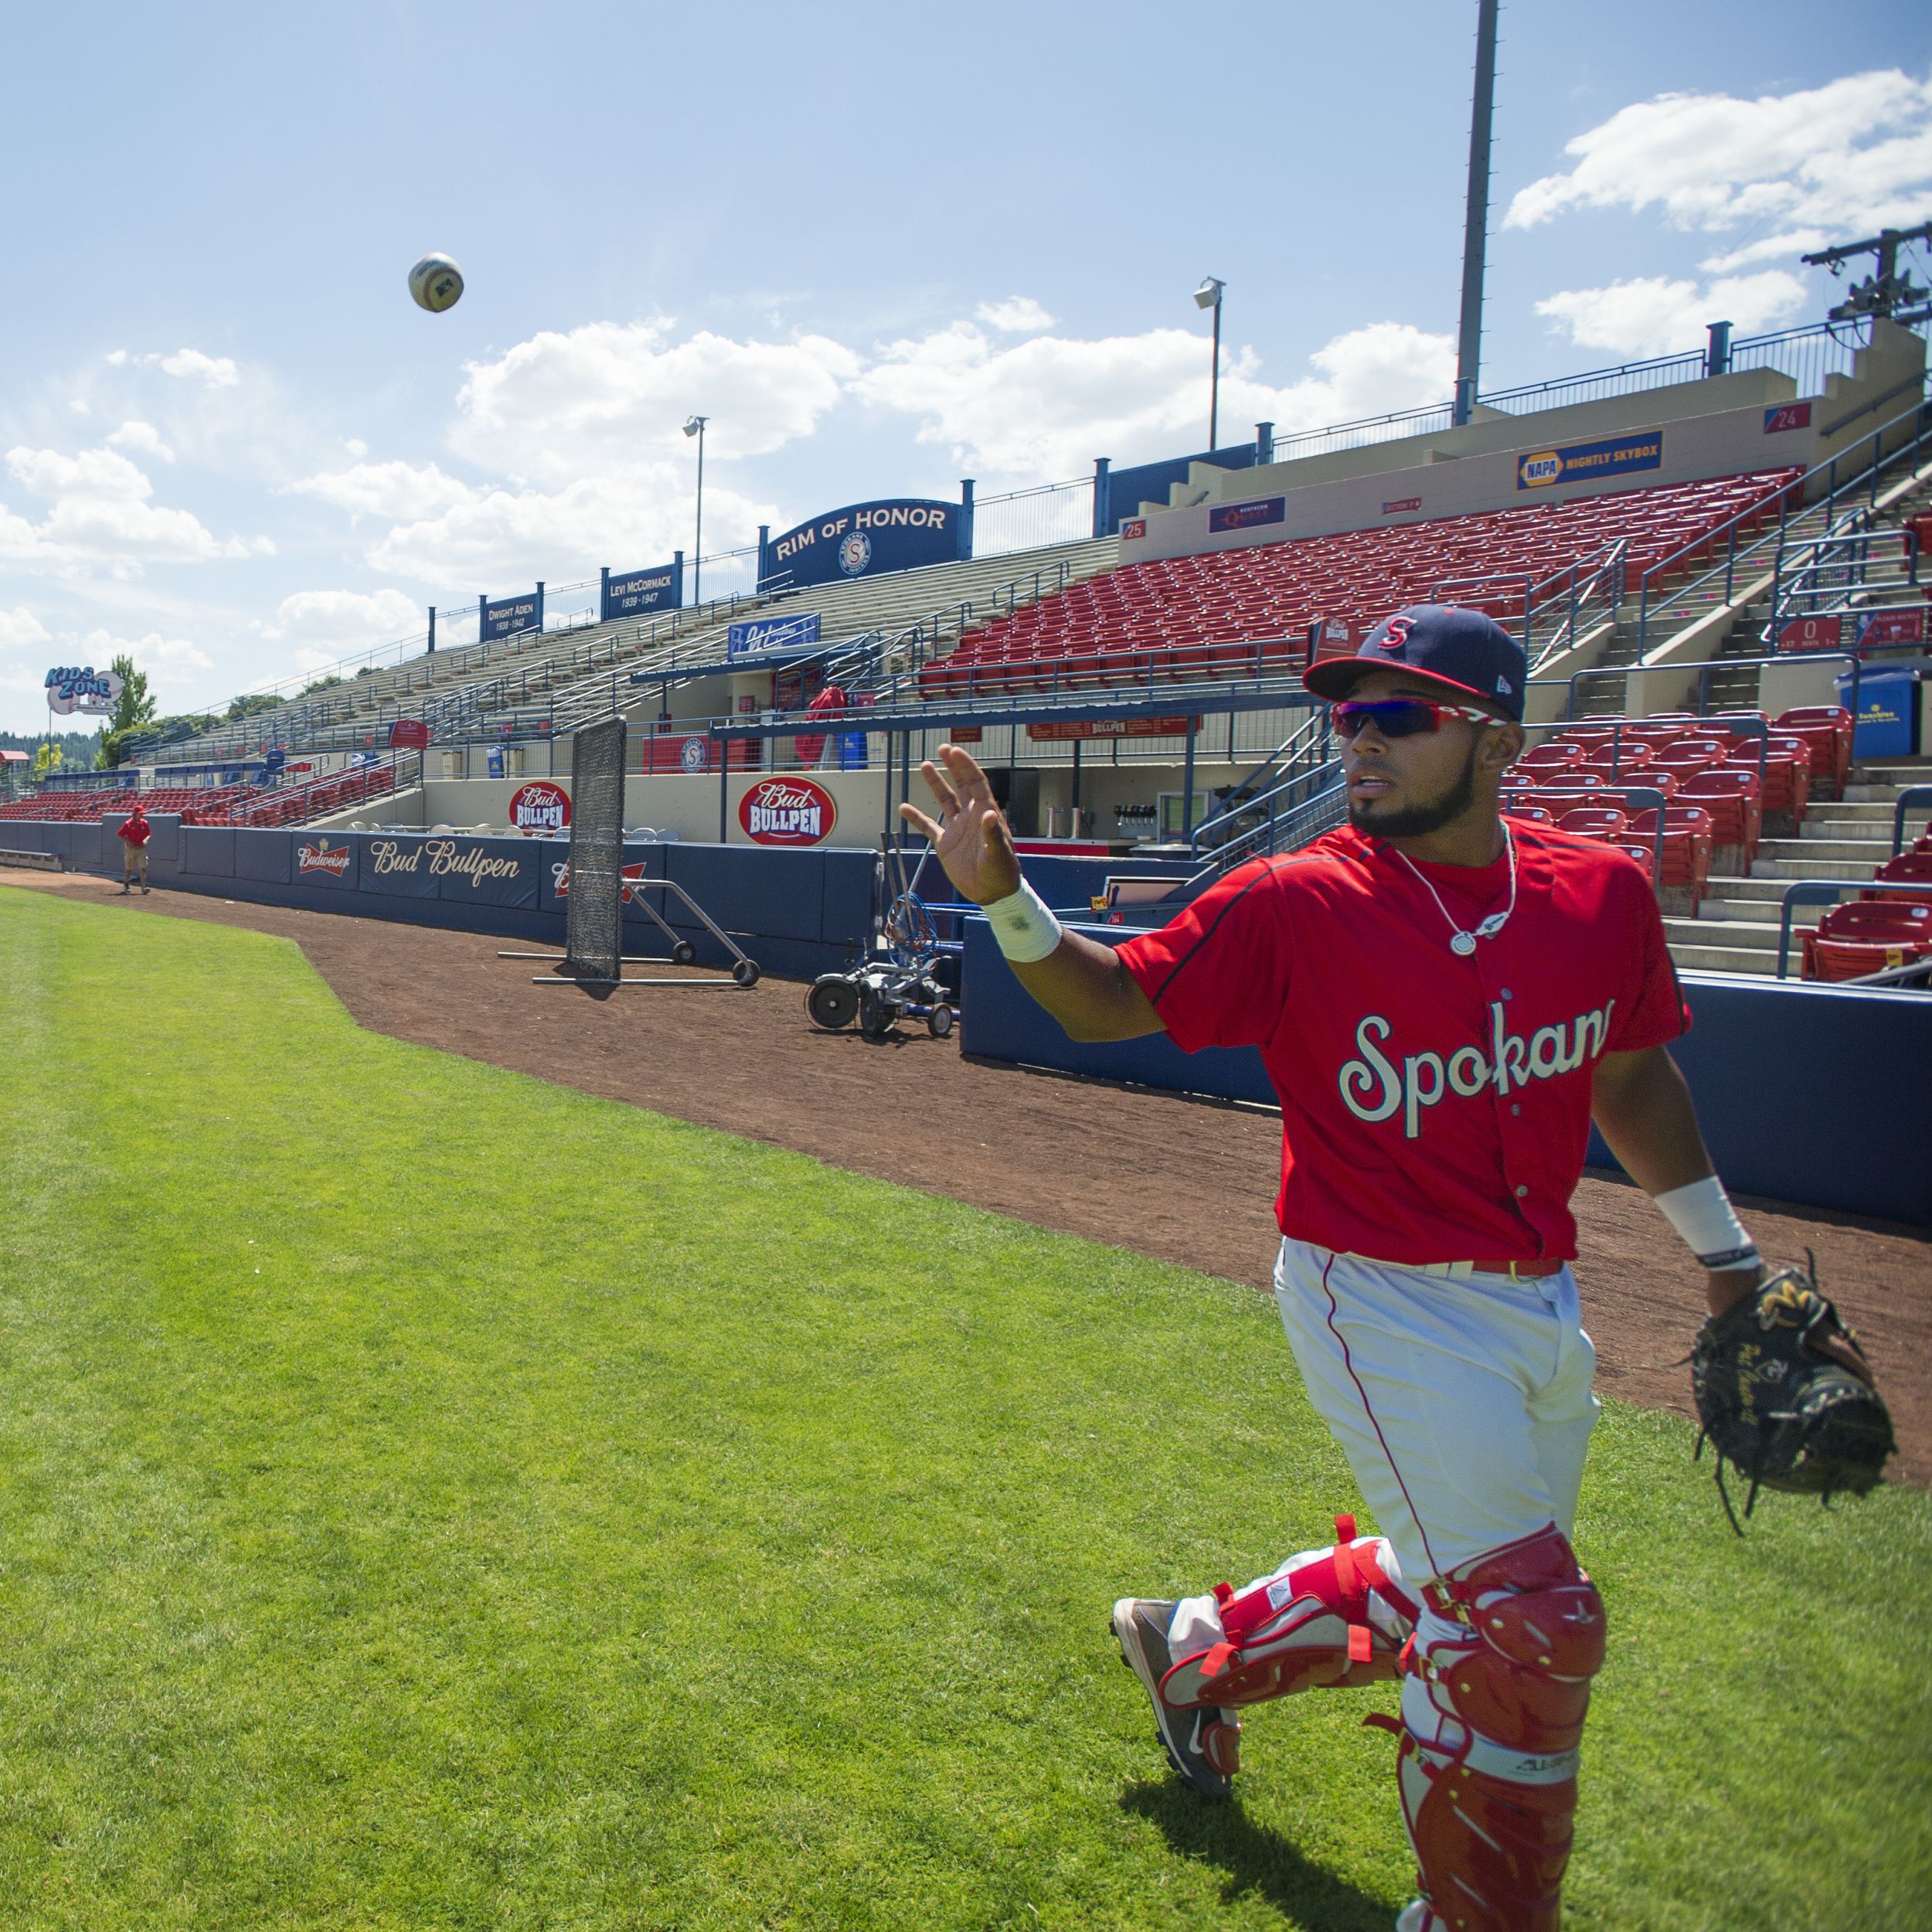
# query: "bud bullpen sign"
{"type": "Point", "coordinates": [537, 808]}
{"type": "Point", "coordinates": [863, 539]}
{"type": "Point", "coordinates": [788, 811]}
{"type": "Point", "coordinates": [1585, 462]}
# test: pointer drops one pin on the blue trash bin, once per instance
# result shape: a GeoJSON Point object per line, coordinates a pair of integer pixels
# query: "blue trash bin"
{"type": "Point", "coordinates": [1888, 713]}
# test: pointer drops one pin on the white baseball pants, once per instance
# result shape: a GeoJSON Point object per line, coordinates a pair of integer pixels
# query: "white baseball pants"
{"type": "Point", "coordinates": [1463, 1405]}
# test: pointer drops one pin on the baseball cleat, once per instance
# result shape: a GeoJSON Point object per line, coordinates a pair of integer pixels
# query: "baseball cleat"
{"type": "Point", "coordinates": [1203, 1744]}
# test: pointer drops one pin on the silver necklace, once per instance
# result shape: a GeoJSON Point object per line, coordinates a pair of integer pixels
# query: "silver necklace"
{"type": "Point", "coordinates": [1461, 943]}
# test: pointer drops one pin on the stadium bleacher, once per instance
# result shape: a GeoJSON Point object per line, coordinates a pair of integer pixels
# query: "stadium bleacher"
{"type": "Point", "coordinates": [1234, 613]}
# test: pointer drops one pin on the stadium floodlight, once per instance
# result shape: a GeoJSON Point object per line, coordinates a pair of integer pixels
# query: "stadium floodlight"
{"type": "Point", "coordinates": [693, 426]}
{"type": "Point", "coordinates": [1208, 296]}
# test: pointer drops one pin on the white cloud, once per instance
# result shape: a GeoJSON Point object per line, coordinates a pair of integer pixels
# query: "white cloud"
{"type": "Point", "coordinates": [1043, 409]}
{"type": "Point", "coordinates": [1018, 315]}
{"type": "Point", "coordinates": [328, 625]}
{"type": "Point", "coordinates": [356, 447]}
{"type": "Point", "coordinates": [1365, 372]}
{"type": "Point", "coordinates": [20, 630]}
{"type": "Point", "coordinates": [98, 512]}
{"type": "Point", "coordinates": [401, 491]}
{"type": "Point", "coordinates": [1784, 247]}
{"type": "Point", "coordinates": [1854, 154]}
{"type": "Point", "coordinates": [143, 437]}
{"type": "Point", "coordinates": [163, 659]}
{"type": "Point", "coordinates": [613, 393]}
{"type": "Point", "coordinates": [498, 538]}
{"type": "Point", "coordinates": [1653, 315]}
{"type": "Point", "coordinates": [216, 371]}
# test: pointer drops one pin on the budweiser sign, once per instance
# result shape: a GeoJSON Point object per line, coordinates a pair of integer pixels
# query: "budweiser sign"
{"type": "Point", "coordinates": [539, 808]}
{"type": "Point", "coordinates": [322, 857]}
{"type": "Point", "coordinates": [788, 811]}
{"type": "Point", "coordinates": [632, 875]}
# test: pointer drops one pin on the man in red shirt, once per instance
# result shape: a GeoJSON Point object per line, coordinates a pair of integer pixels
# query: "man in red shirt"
{"type": "Point", "coordinates": [1444, 999]}
{"type": "Point", "coordinates": [134, 831]}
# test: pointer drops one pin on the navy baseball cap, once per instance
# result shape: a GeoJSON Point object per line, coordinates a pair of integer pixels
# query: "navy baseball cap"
{"type": "Point", "coordinates": [1468, 654]}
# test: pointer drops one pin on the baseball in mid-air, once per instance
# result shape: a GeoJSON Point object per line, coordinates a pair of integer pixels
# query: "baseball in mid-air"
{"type": "Point", "coordinates": [437, 283]}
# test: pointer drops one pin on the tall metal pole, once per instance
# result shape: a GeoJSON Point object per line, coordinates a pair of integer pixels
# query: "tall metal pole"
{"type": "Point", "coordinates": [1475, 229]}
{"type": "Point", "coordinates": [1214, 381]}
{"type": "Point", "coordinates": [697, 554]}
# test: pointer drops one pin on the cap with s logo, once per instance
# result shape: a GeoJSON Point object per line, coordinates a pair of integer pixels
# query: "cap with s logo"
{"type": "Point", "coordinates": [1464, 652]}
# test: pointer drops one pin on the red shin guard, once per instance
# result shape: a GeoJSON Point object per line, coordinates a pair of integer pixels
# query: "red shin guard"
{"type": "Point", "coordinates": [1334, 1617]}
{"type": "Point", "coordinates": [1492, 1720]}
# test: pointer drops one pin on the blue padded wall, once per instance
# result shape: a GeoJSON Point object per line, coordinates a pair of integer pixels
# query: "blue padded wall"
{"type": "Point", "coordinates": [1810, 1094]}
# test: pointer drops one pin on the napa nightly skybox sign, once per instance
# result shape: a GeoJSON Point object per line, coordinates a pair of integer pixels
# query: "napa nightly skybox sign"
{"type": "Point", "coordinates": [863, 539]}
{"type": "Point", "coordinates": [1586, 462]}
{"type": "Point", "coordinates": [508, 615]}
{"type": "Point", "coordinates": [639, 593]}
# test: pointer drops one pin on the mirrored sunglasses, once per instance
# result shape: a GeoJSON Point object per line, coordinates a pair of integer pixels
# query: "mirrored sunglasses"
{"type": "Point", "coordinates": [1401, 717]}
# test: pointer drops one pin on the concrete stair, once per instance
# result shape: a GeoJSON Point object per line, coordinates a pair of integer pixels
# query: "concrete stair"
{"type": "Point", "coordinates": [1738, 922]}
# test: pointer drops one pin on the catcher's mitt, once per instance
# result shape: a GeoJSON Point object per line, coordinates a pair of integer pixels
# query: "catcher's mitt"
{"type": "Point", "coordinates": [1784, 1393]}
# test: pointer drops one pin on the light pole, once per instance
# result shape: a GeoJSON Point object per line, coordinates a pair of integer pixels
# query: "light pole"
{"type": "Point", "coordinates": [695, 427]}
{"type": "Point", "coordinates": [1208, 296]}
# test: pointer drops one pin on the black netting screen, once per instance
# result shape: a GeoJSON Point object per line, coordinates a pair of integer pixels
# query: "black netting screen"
{"type": "Point", "coordinates": [594, 933]}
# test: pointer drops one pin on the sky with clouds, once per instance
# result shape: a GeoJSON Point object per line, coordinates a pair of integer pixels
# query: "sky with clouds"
{"type": "Point", "coordinates": [880, 255]}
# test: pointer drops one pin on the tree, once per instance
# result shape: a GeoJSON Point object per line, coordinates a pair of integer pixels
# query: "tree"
{"type": "Point", "coordinates": [46, 760]}
{"type": "Point", "coordinates": [134, 709]}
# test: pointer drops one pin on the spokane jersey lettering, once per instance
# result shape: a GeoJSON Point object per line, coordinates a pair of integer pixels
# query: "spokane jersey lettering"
{"type": "Point", "coordinates": [1373, 1047]}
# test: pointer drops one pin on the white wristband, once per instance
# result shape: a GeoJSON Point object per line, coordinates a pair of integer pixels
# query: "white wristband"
{"type": "Point", "coordinates": [1701, 1213]}
{"type": "Point", "coordinates": [1024, 927]}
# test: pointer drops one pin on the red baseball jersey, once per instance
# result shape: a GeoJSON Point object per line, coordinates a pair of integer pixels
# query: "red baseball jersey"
{"type": "Point", "coordinates": [1434, 1107]}
{"type": "Point", "coordinates": [137, 832]}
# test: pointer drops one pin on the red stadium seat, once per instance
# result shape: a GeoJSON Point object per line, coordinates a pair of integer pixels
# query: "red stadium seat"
{"type": "Point", "coordinates": [1732, 799]}
{"type": "Point", "coordinates": [1788, 776]}
{"type": "Point", "coordinates": [1853, 940]}
{"type": "Point", "coordinates": [1910, 868]}
{"type": "Point", "coordinates": [1595, 822]}
{"type": "Point", "coordinates": [1619, 761]}
{"type": "Point", "coordinates": [1687, 846]}
{"type": "Point", "coordinates": [1223, 601]}
{"type": "Point", "coordinates": [1827, 728]}
{"type": "Point", "coordinates": [1645, 856]}
{"type": "Point", "coordinates": [1550, 757]}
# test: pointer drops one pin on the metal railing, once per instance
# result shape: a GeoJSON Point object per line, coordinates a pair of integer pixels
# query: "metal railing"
{"type": "Point", "coordinates": [381, 778]}
{"type": "Point", "coordinates": [1032, 519]}
{"type": "Point", "coordinates": [1834, 570]}
{"type": "Point", "coordinates": [1275, 803]}
{"type": "Point", "coordinates": [1864, 479]}
{"type": "Point", "coordinates": [1912, 798]}
{"type": "Point", "coordinates": [1703, 667]}
{"type": "Point", "coordinates": [1808, 355]}
{"type": "Point", "coordinates": [1547, 614]}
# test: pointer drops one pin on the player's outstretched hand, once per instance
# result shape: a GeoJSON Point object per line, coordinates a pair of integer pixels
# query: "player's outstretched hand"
{"type": "Point", "coordinates": [971, 834]}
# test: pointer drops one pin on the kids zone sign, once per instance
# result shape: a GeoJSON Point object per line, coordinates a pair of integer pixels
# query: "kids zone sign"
{"type": "Point", "coordinates": [862, 540]}
{"type": "Point", "coordinates": [72, 688]}
{"type": "Point", "coordinates": [788, 811]}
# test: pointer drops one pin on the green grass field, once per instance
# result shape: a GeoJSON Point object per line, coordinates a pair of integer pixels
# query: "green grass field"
{"type": "Point", "coordinates": [430, 1498]}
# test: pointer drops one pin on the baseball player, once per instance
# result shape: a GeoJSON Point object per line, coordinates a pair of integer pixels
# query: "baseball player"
{"type": "Point", "coordinates": [1444, 997]}
{"type": "Point", "coordinates": [133, 832]}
